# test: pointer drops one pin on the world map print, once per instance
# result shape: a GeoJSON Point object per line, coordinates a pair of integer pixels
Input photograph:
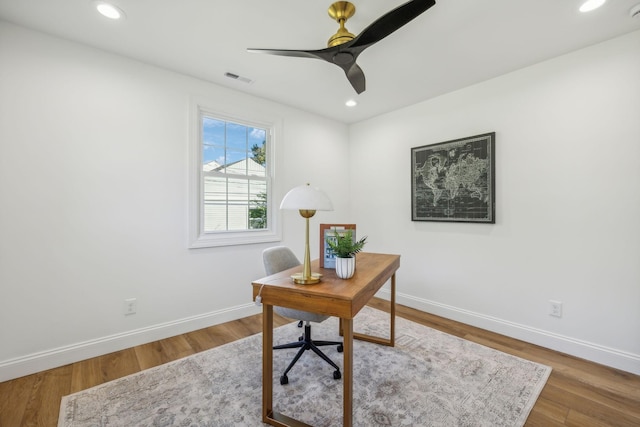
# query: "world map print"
{"type": "Point", "coordinates": [454, 180]}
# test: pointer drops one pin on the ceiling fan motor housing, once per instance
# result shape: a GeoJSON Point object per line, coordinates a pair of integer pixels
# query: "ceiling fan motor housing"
{"type": "Point", "coordinates": [341, 11]}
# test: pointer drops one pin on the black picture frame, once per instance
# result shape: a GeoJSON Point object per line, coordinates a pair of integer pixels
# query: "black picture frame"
{"type": "Point", "coordinates": [454, 181]}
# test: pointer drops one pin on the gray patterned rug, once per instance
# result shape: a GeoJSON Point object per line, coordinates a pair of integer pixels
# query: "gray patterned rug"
{"type": "Point", "coordinates": [429, 379]}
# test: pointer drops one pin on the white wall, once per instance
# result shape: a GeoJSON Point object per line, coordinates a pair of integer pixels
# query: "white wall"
{"type": "Point", "coordinates": [93, 194]}
{"type": "Point", "coordinates": [568, 204]}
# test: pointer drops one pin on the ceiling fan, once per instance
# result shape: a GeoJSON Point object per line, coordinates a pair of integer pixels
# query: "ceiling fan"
{"type": "Point", "coordinates": [343, 47]}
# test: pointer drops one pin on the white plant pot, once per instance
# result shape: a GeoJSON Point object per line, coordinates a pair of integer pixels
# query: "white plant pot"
{"type": "Point", "coordinates": [345, 267]}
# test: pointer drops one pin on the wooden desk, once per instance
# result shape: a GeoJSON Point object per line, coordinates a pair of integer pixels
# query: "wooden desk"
{"type": "Point", "coordinates": [332, 296]}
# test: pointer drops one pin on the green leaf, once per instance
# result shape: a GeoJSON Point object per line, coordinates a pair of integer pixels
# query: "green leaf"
{"type": "Point", "coordinates": [343, 244]}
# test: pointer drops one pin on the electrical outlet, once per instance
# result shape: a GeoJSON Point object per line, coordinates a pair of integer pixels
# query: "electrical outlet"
{"type": "Point", "coordinates": [555, 308]}
{"type": "Point", "coordinates": [130, 306]}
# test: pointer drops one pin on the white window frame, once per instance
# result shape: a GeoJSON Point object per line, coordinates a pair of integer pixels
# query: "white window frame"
{"type": "Point", "coordinates": [198, 238]}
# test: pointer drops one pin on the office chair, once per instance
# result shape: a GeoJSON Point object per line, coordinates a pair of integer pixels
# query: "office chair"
{"type": "Point", "coordinates": [277, 259]}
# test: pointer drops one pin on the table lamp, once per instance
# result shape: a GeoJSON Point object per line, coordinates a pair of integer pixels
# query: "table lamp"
{"type": "Point", "coordinates": [307, 200]}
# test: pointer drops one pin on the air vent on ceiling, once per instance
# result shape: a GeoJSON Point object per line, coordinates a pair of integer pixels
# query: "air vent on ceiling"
{"type": "Point", "coordinates": [237, 77]}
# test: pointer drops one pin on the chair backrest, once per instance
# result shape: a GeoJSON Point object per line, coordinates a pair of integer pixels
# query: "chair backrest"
{"type": "Point", "coordinates": [277, 259]}
{"type": "Point", "coordinates": [280, 258]}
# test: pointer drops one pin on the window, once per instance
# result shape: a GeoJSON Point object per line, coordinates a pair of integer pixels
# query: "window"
{"type": "Point", "coordinates": [234, 178]}
{"type": "Point", "coordinates": [231, 184]}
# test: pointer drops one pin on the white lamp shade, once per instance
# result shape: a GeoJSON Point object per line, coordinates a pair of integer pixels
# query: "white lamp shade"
{"type": "Point", "coordinates": [306, 197]}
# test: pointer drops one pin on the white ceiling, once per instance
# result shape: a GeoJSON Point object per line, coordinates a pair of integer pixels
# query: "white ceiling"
{"type": "Point", "coordinates": [454, 44]}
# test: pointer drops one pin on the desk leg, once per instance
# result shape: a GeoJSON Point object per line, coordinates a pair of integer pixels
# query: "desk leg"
{"type": "Point", "coordinates": [267, 362]}
{"type": "Point", "coordinates": [392, 338]}
{"type": "Point", "coordinates": [268, 415]}
{"type": "Point", "coordinates": [391, 341]}
{"type": "Point", "coordinates": [347, 374]}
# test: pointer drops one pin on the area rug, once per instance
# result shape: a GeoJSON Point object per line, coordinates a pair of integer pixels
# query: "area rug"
{"type": "Point", "coordinates": [429, 379]}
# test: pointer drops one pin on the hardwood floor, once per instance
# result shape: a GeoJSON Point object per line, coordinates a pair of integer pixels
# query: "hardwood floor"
{"type": "Point", "coordinates": [578, 393]}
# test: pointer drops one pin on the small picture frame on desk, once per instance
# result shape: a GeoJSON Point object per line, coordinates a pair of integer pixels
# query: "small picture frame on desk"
{"type": "Point", "coordinates": [327, 257]}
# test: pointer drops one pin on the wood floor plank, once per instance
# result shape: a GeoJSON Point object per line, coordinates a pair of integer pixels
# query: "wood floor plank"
{"type": "Point", "coordinates": [163, 351]}
{"type": "Point", "coordinates": [603, 378]}
{"type": "Point", "coordinates": [540, 419]}
{"type": "Point", "coordinates": [119, 364]}
{"type": "Point", "coordinates": [199, 340]}
{"type": "Point", "coordinates": [86, 374]}
{"type": "Point", "coordinates": [14, 396]}
{"type": "Point", "coordinates": [549, 411]}
{"type": "Point", "coordinates": [241, 329]}
{"type": "Point", "coordinates": [578, 419]}
{"type": "Point", "coordinates": [150, 355]}
{"type": "Point", "coordinates": [43, 406]}
{"type": "Point", "coordinates": [587, 401]}
{"type": "Point", "coordinates": [225, 333]}
{"type": "Point", "coordinates": [176, 348]}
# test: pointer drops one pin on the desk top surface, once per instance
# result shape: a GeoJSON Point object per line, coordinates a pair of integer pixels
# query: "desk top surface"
{"type": "Point", "coordinates": [332, 296]}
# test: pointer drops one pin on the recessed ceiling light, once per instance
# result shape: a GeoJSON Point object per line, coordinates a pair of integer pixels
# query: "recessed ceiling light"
{"type": "Point", "coordinates": [590, 5]}
{"type": "Point", "coordinates": [109, 10]}
{"type": "Point", "coordinates": [351, 103]}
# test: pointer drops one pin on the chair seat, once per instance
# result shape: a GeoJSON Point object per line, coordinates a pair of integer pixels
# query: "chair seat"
{"type": "Point", "coordinates": [300, 315]}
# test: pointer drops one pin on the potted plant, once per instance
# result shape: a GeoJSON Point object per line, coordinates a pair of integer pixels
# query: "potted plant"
{"type": "Point", "coordinates": [344, 246]}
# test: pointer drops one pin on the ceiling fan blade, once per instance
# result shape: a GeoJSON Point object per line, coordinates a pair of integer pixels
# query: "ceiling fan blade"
{"type": "Point", "coordinates": [347, 62]}
{"type": "Point", "coordinates": [333, 55]}
{"type": "Point", "coordinates": [287, 52]}
{"type": "Point", "coordinates": [355, 75]}
{"type": "Point", "coordinates": [389, 23]}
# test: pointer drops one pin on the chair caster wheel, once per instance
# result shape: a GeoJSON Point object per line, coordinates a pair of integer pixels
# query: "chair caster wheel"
{"type": "Point", "coordinates": [340, 348]}
{"type": "Point", "coordinates": [285, 379]}
{"type": "Point", "coordinates": [336, 375]}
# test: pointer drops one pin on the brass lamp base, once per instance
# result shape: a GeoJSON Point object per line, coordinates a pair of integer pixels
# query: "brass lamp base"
{"type": "Point", "coordinates": [311, 280]}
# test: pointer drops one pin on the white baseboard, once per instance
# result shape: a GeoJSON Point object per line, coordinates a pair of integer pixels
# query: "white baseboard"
{"type": "Point", "coordinates": [614, 358]}
{"type": "Point", "coordinates": [37, 362]}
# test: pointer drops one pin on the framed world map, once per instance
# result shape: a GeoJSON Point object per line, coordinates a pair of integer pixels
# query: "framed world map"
{"type": "Point", "coordinates": [454, 180]}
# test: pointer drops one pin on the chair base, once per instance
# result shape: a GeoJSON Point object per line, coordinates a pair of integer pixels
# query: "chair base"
{"type": "Point", "coordinates": [306, 343]}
